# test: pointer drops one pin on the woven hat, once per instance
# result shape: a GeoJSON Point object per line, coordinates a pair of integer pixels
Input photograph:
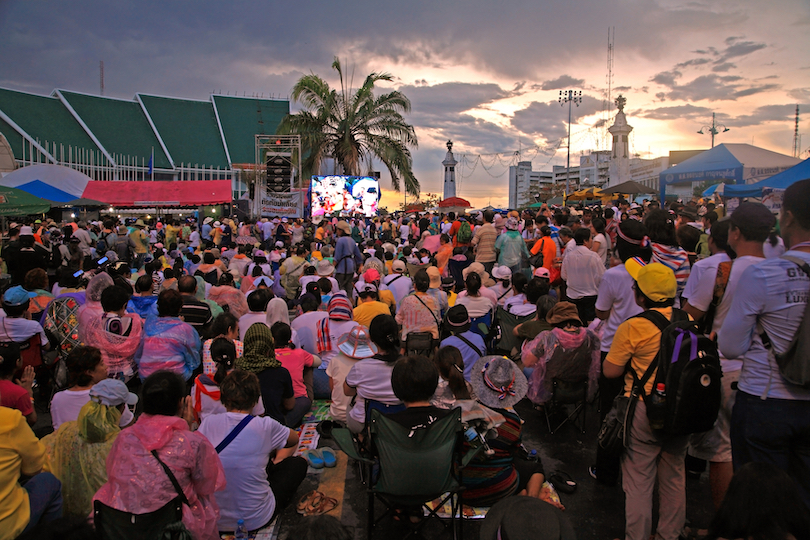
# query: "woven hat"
{"type": "Point", "coordinates": [525, 518]}
{"type": "Point", "coordinates": [122, 229]}
{"type": "Point", "coordinates": [498, 382]}
{"type": "Point", "coordinates": [478, 268]}
{"type": "Point", "coordinates": [562, 312]}
{"type": "Point", "coordinates": [207, 220]}
{"type": "Point", "coordinates": [339, 308]}
{"type": "Point", "coordinates": [457, 319]}
{"type": "Point", "coordinates": [324, 268]}
{"type": "Point", "coordinates": [139, 223]}
{"type": "Point", "coordinates": [435, 277]}
{"type": "Point", "coordinates": [357, 344]}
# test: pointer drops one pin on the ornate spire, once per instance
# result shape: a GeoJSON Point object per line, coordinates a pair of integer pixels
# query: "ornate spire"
{"type": "Point", "coordinates": [621, 101]}
{"type": "Point", "coordinates": [449, 146]}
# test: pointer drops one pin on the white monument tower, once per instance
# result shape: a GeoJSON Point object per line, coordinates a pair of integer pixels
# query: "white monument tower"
{"type": "Point", "coordinates": [619, 169]}
{"type": "Point", "coordinates": [449, 172]}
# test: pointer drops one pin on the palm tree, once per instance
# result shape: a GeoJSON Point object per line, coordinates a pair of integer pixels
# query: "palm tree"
{"type": "Point", "coordinates": [353, 127]}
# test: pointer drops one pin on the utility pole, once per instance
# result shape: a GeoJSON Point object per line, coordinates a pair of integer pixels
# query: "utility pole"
{"type": "Point", "coordinates": [796, 139]}
{"type": "Point", "coordinates": [575, 97]}
{"type": "Point", "coordinates": [101, 76]}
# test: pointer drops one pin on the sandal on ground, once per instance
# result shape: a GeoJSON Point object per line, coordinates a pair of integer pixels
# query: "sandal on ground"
{"type": "Point", "coordinates": [314, 458]}
{"type": "Point", "coordinates": [309, 501]}
{"type": "Point", "coordinates": [328, 456]}
{"type": "Point", "coordinates": [563, 482]}
{"type": "Point", "coordinates": [325, 504]}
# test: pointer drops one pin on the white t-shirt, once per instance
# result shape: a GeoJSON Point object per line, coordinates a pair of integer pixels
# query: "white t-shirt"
{"type": "Point", "coordinates": [502, 293]}
{"type": "Point", "coordinates": [400, 286]}
{"type": "Point", "coordinates": [247, 494]}
{"type": "Point", "coordinates": [20, 330]}
{"type": "Point", "coordinates": [249, 319]}
{"type": "Point", "coordinates": [305, 325]}
{"type": "Point", "coordinates": [518, 305]}
{"type": "Point", "coordinates": [446, 226]}
{"type": "Point", "coordinates": [338, 368]}
{"type": "Point", "coordinates": [603, 247]}
{"type": "Point", "coordinates": [209, 406]}
{"type": "Point", "coordinates": [699, 291]}
{"type": "Point", "coordinates": [616, 295]}
{"type": "Point", "coordinates": [372, 379]}
{"type": "Point", "coordinates": [404, 232]}
{"type": "Point", "coordinates": [66, 405]}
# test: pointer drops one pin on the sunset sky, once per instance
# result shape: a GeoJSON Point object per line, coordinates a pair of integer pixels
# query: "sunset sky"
{"type": "Point", "coordinates": [485, 74]}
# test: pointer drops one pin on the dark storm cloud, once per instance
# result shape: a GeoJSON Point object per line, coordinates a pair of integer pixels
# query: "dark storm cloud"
{"type": "Point", "coordinates": [548, 120]}
{"type": "Point", "coordinates": [562, 82]}
{"type": "Point", "coordinates": [677, 112]}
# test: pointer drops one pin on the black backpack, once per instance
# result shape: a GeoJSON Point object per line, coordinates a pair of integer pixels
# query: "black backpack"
{"type": "Point", "coordinates": [101, 245]}
{"type": "Point", "coordinates": [689, 367]}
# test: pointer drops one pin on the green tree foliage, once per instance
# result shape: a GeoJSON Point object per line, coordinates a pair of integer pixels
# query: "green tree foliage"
{"type": "Point", "coordinates": [354, 127]}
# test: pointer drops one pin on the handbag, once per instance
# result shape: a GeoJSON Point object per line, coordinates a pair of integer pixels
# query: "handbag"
{"type": "Point", "coordinates": [614, 435]}
{"type": "Point", "coordinates": [165, 523]}
{"type": "Point", "coordinates": [537, 260]}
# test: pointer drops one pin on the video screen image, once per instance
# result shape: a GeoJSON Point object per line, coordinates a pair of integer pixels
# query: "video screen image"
{"type": "Point", "coordinates": [344, 195]}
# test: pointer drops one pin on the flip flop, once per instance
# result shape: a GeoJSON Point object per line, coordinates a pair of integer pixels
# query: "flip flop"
{"type": "Point", "coordinates": [326, 504]}
{"type": "Point", "coordinates": [328, 456]}
{"type": "Point", "coordinates": [314, 458]}
{"type": "Point", "coordinates": [563, 482]}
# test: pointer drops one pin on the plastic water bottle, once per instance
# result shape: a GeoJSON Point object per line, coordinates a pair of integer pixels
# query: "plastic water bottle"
{"type": "Point", "coordinates": [657, 408]}
{"type": "Point", "coordinates": [241, 532]}
{"type": "Point", "coordinates": [532, 455]}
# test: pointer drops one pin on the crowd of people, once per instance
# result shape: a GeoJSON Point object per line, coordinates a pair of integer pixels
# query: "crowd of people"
{"type": "Point", "coordinates": [177, 358]}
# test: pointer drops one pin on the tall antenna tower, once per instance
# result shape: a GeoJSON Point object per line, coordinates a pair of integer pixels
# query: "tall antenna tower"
{"type": "Point", "coordinates": [796, 143]}
{"type": "Point", "coordinates": [101, 76]}
{"type": "Point", "coordinates": [608, 103]}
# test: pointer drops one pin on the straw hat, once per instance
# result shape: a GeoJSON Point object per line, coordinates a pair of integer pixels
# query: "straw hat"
{"type": "Point", "coordinates": [357, 344]}
{"type": "Point", "coordinates": [497, 382]}
{"type": "Point", "coordinates": [324, 268]}
{"type": "Point", "coordinates": [140, 223]}
{"type": "Point", "coordinates": [435, 277]}
{"type": "Point", "coordinates": [478, 268]}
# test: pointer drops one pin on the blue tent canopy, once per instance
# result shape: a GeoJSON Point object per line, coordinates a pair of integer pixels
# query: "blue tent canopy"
{"type": "Point", "coordinates": [40, 189]}
{"type": "Point", "coordinates": [778, 181]}
{"type": "Point", "coordinates": [731, 163]}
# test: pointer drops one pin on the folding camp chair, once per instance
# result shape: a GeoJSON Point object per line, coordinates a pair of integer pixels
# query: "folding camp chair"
{"type": "Point", "coordinates": [567, 393]}
{"type": "Point", "coordinates": [414, 467]}
{"type": "Point", "coordinates": [507, 323]}
{"type": "Point", "coordinates": [456, 270]}
{"type": "Point", "coordinates": [414, 268]}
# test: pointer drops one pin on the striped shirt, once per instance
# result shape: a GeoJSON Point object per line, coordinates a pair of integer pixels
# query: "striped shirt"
{"type": "Point", "coordinates": [484, 242]}
{"type": "Point", "coordinates": [414, 316]}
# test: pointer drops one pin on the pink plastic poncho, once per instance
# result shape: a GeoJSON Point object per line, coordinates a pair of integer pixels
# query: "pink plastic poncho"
{"type": "Point", "coordinates": [137, 483]}
{"type": "Point", "coordinates": [234, 298]}
{"type": "Point", "coordinates": [118, 351]}
{"type": "Point", "coordinates": [567, 356]}
{"type": "Point", "coordinates": [92, 304]}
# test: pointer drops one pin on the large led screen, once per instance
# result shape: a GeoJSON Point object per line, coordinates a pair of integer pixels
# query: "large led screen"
{"type": "Point", "coordinates": [338, 195]}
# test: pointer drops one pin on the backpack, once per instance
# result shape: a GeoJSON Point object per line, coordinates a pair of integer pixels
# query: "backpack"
{"type": "Point", "coordinates": [794, 363]}
{"type": "Point", "coordinates": [101, 245]}
{"type": "Point", "coordinates": [464, 234]}
{"type": "Point", "coordinates": [688, 365]}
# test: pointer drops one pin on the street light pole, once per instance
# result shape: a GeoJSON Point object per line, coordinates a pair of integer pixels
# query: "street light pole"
{"type": "Point", "coordinates": [713, 129]}
{"type": "Point", "coordinates": [575, 97]}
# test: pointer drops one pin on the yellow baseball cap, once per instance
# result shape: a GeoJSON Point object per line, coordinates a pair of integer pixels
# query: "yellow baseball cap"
{"type": "Point", "coordinates": [655, 280]}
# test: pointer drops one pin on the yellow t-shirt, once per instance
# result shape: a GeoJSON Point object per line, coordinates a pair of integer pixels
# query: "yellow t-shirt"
{"type": "Point", "coordinates": [20, 453]}
{"type": "Point", "coordinates": [366, 311]}
{"type": "Point", "coordinates": [636, 341]}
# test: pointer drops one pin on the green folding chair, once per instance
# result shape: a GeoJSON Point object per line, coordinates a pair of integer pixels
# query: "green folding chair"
{"type": "Point", "coordinates": [412, 469]}
{"type": "Point", "coordinates": [507, 323]}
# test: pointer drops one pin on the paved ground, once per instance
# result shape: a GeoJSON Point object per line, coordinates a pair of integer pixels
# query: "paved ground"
{"type": "Point", "coordinates": [596, 511]}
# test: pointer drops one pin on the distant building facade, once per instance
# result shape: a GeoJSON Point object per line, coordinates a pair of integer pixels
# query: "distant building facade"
{"type": "Point", "coordinates": [524, 184]}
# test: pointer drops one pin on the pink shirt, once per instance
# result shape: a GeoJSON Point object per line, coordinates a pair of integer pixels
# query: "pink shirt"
{"type": "Point", "coordinates": [295, 360]}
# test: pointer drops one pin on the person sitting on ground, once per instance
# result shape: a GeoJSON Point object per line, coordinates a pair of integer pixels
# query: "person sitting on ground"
{"type": "Point", "coordinates": [371, 378]}
{"type": "Point", "coordinates": [257, 305]}
{"type": "Point", "coordinates": [143, 303]}
{"type": "Point", "coordinates": [116, 333]}
{"type": "Point", "coordinates": [28, 496]}
{"type": "Point", "coordinates": [194, 312]}
{"type": "Point", "coordinates": [85, 366]}
{"type": "Point", "coordinates": [353, 347]}
{"type": "Point", "coordinates": [78, 450]}
{"type": "Point", "coordinates": [530, 329]}
{"type": "Point", "coordinates": [503, 284]}
{"type": "Point", "coordinates": [470, 344]}
{"type": "Point", "coordinates": [452, 385]}
{"type": "Point", "coordinates": [296, 361]}
{"type": "Point", "coordinates": [17, 394]}
{"type": "Point", "coordinates": [397, 282]}
{"type": "Point", "coordinates": [328, 331]}
{"type": "Point", "coordinates": [36, 283]}
{"type": "Point", "coordinates": [169, 343]}
{"type": "Point", "coordinates": [474, 299]}
{"type": "Point", "coordinates": [305, 324]}
{"type": "Point", "coordinates": [228, 296]}
{"type": "Point", "coordinates": [205, 396]}
{"type": "Point", "coordinates": [566, 352]}
{"type": "Point", "coordinates": [499, 385]}
{"type": "Point", "coordinates": [257, 488]}
{"type": "Point", "coordinates": [278, 395]}
{"type": "Point", "coordinates": [418, 312]}
{"type": "Point", "coordinates": [136, 481]}
{"type": "Point", "coordinates": [369, 305]}
{"type": "Point", "coordinates": [209, 270]}
{"type": "Point", "coordinates": [225, 325]}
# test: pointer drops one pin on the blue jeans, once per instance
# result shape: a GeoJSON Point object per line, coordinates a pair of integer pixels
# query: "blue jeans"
{"type": "Point", "coordinates": [775, 431]}
{"type": "Point", "coordinates": [293, 417]}
{"type": "Point", "coordinates": [44, 498]}
{"type": "Point", "coordinates": [320, 384]}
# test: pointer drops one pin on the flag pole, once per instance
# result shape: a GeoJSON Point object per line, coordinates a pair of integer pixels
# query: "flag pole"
{"type": "Point", "coordinates": [152, 165]}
